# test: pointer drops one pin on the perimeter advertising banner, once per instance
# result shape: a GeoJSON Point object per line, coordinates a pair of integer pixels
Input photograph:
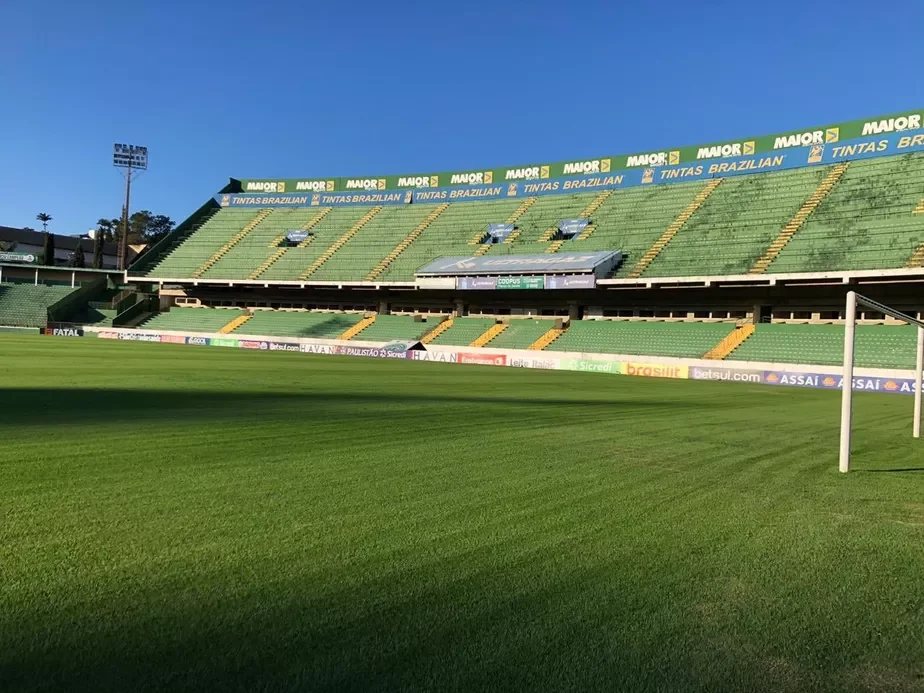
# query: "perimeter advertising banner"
{"type": "Point", "coordinates": [374, 352]}
{"type": "Point", "coordinates": [541, 360]}
{"type": "Point", "coordinates": [656, 370]}
{"type": "Point", "coordinates": [63, 331]}
{"type": "Point", "coordinates": [828, 381]}
{"type": "Point", "coordinates": [574, 281]}
{"type": "Point", "coordinates": [591, 366]}
{"type": "Point", "coordinates": [908, 122]}
{"type": "Point", "coordinates": [826, 152]}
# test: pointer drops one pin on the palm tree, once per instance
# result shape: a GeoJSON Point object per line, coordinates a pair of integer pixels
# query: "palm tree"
{"type": "Point", "coordinates": [48, 252]}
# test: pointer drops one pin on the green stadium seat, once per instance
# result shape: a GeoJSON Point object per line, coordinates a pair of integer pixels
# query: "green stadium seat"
{"type": "Point", "coordinates": [642, 337]}
{"type": "Point", "coordinates": [877, 346]}
{"type": "Point", "coordinates": [26, 305]}
{"type": "Point", "coordinates": [192, 319]}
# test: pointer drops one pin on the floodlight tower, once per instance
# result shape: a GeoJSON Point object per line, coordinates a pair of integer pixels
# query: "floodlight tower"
{"type": "Point", "coordinates": [133, 159]}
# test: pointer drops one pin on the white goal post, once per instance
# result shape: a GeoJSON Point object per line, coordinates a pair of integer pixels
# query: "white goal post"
{"type": "Point", "coordinates": [853, 298]}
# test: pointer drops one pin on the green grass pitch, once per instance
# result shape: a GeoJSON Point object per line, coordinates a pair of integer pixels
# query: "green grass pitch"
{"type": "Point", "coordinates": [205, 519]}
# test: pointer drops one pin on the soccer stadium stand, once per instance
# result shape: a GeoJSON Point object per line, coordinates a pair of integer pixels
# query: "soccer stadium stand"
{"type": "Point", "coordinates": [650, 338]}
{"type": "Point", "coordinates": [520, 333]}
{"type": "Point", "coordinates": [823, 218]}
{"type": "Point", "coordinates": [193, 319]}
{"type": "Point", "coordinates": [464, 331]}
{"type": "Point", "coordinates": [828, 201]}
{"type": "Point", "coordinates": [26, 305]}
{"type": "Point", "coordinates": [457, 231]}
{"type": "Point", "coordinates": [283, 323]}
{"type": "Point", "coordinates": [387, 328]}
{"type": "Point", "coordinates": [877, 346]}
{"type": "Point", "coordinates": [865, 222]}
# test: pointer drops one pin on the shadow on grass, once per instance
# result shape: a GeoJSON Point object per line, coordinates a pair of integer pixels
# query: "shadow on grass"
{"type": "Point", "coordinates": [44, 407]}
{"type": "Point", "coordinates": [484, 632]}
{"type": "Point", "coordinates": [890, 471]}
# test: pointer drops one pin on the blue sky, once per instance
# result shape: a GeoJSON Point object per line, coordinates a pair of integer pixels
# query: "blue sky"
{"type": "Point", "coordinates": [263, 89]}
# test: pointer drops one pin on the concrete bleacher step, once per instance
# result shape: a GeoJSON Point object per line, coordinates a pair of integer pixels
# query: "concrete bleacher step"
{"type": "Point", "coordinates": [233, 241]}
{"type": "Point", "coordinates": [358, 327]}
{"type": "Point", "coordinates": [278, 253]}
{"type": "Point", "coordinates": [405, 242]}
{"type": "Point", "coordinates": [481, 236]}
{"type": "Point", "coordinates": [673, 228]}
{"type": "Point", "coordinates": [548, 338]}
{"type": "Point", "coordinates": [437, 331]}
{"type": "Point", "coordinates": [234, 324]}
{"type": "Point", "coordinates": [311, 224]}
{"type": "Point", "coordinates": [920, 208]}
{"type": "Point", "coordinates": [340, 242]}
{"type": "Point", "coordinates": [490, 334]}
{"type": "Point", "coordinates": [554, 246]}
{"type": "Point", "coordinates": [732, 341]}
{"type": "Point", "coordinates": [584, 214]}
{"type": "Point", "coordinates": [798, 220]}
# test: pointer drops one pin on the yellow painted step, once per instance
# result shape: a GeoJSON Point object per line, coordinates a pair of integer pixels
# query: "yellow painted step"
{"type": "Point", "coordinates": [233, 241]}
{"type": "Point", "coordinates": [437, 331]}
{"type": "Point", "coordinates": [311, 224]}
{"type": "Point", "coordinates": [234, 324]}
{"type": "Point", "coordinates": [674, 227]}
{"type": "Point", "coordinates": [595, 205]}
{"type": "Point", "coordinates": [267, 263]}
{"type": "Point", "coordinates": [358, 327]}
{"type": "Point", "coordinates": [920, 208]}
{"type": "Point", "coordinates": [793, 225]}
{"type": "Point", "coordinates": [406, 241]}
{"type": "Point", "coordinates": [547, 339]}
{"type": "Point", "coordinates": [917, 258]}
{"type": "Point", "coordinates": [490, 334]}
{"type": "Point", "coordinates": [554, 246]}
{"type": "Point", "coordinates": [521, 210]}
{"type": "Point", "coordinates": [340, 242]}
{"type": "Point", "coordinates": [730, 342]}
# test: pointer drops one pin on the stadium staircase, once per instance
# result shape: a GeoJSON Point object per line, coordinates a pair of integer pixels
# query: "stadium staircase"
{"type": "Point", "coordinates": [674, 227]}
{"type": "Point", "coordinates": [512, 219]}
{"type": "Point", "coordinates": [402, 246]}
{"type": "Point", "coordinates": [877, 346]}
{"type": "Point", "coordinates": [268, 262]}
{"type": "Point", "coordinates": [358, 327]}
{"type": "Point", "coordinates": [642, 337]}
{"type": "Point", "coordinates": [28, 305]}
{"type": "Point", "coordinates": [191, 319]}
{"type": "Point", "coordinates": [462, 331]}
{"type": "Point", "coordinates": [917, 258]}
{"type": "Point", "coordinates": [234, 324]}
{"type": "Point", "coordinates": [731, 342]}
{"type": "Point", "coordinates": [233, 241]}
{"type": "Point", "coordinates": [591, 208]}
{"type": "Point", "coordinates": [340, 242]}
{"type": "Point", "coordinates": [796, 223]}
{"type": "Point", "coordinates": [437, 331]}
{"type": "Point", "coordinates": [548, 338]}
{"type": "Point", "coordinates": [279, 252]}
{"type": "Point", "coordinates": [490, 334]}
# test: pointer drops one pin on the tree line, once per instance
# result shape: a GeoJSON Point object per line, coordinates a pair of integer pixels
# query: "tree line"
{"type": "Point", "coordinates": [144, 227]}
